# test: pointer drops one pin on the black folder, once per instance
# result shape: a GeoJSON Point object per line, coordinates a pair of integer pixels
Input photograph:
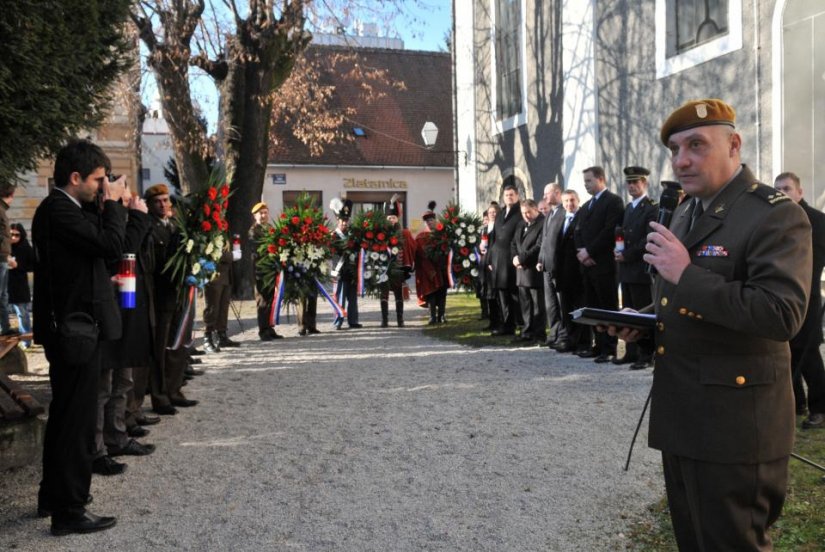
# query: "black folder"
{"type": "Point", "coordinates": [601, 317]}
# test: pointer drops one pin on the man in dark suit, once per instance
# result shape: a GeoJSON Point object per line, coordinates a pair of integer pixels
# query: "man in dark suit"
{"type": "Point", "coordinates": [806, 360]}
{"type": "Point", "coordinates": [635, 282]}
{"type": "Point", "coordinates": [500, 260]}
{"type": "Point", "coordinates": [595, 239]}
{"type": "Point", "coordinates": [73, 245]}
{"type": "Point", "coordinates": [526, 247]}
{"type": "Point", "coordinates": [553, 222]}
{"type": "Point", "coordinates": [734, 273]}
{"type": "Point", "coordinates": [568, 278]}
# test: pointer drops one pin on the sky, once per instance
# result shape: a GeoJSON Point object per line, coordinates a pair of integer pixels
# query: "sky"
{"type": "Point", "coordinates": [423, 27]}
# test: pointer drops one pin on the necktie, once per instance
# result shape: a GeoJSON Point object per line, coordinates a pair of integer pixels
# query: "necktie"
{"type": "Point", "coordinates": [567, 220]}
{"type": "Point", "coordinates": [698, 209]}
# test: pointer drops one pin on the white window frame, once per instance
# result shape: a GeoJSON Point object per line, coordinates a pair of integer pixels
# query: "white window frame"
{"type": "Point", "coordinates": [500, 126]}
{"type": "Point", "coordinates": [730, 42]}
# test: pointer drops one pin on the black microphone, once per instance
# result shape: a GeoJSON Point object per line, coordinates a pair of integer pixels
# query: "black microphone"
{"type": "Point", "coordinates": [668, 201]}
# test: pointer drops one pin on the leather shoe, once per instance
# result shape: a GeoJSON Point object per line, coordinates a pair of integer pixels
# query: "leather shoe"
{"type": "Point", "coordinates": [166, 410]}
{"type": "Point", "coordinates": [195, 352]}
{"type": "Point", "coordinates": [193, 360]}
{"type": "Point", "coordinates": [265, 336]}
{"type": "Point", "coordinates": [184, 402]}
{"type": "Point", "coordinates": [602, 358]}
{"type": "Point", "coordinates": [44, 510]}
{"type": "Point", "coordinates": [132, 448]}
{"type": "Point", "coordinates": [814, 421]}
{"type": "Point", "coordinates": [147, 419]}
{"type": "Point", "coordinates": [624, 360]}
{"type": "Point", "coordinates": [355, 326]}
{"type": "Point", "coordinates": [106, 465]}
{"type": "Point", "coordinates": [302, 332]}
{"type": "Point", "coordinates": [587, 353]}
{"type": "Point", "coordinates": [564, 347]}
{"type": "Point", "coordinates": [86, 522]}
{"type": "Point", "coordinates": [503, 331]}
{"type": "Point", "coordinates": [225, 342]}
{"type": "Point", "coordinates": [274, 334]}
{"type": "Point", "coordinates": [313, 331]}
{"type": "Point", "coordinates": [639, 365]}
{"type": "Point", "coordinates": [189, 371]}
{"type": "Point", "coordinates": [137, 431]}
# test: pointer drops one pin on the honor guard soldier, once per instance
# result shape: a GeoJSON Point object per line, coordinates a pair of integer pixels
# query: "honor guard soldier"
{"type": "Point", "coordinates": [343, 264]}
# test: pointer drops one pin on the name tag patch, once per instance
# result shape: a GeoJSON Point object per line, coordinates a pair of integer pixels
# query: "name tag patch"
{"type": "Point", "coordinates": [712, 251]}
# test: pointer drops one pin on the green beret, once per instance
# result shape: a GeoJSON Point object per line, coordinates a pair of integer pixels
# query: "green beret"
{"type": "Point", "coordinates": [696, 113]}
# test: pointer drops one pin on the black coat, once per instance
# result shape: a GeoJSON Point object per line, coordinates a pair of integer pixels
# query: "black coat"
{"type": "Point", "coordinates": [812, 326]}
{"type": "Point", "coordinates": [136, 345]}
{"type": "Point", "coordinates": [596, 230]}
{"type": "Point", "coordinates": [567, 272]}
{"type": "Point", "coordinates": [70, 273]}
{"type": "Point", "coordinates": [500, 255]}
{"type": "Point", "coordinates": [526, 246]}
{"type": "Point", "coordinates": [636, 226]}
{"type": "Point", "coordinates": [23, 253]}
{"type": "Point", "coordinates": [165, 239]}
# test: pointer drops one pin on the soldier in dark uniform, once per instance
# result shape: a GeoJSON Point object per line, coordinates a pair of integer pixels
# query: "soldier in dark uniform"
{"type": "Point", "coordinates": [217, 295]}
{"type": "Point", "coordinates": [263, 297]}
{"type": "Point", "coordinates": [634, 281]}
{"type": "Point", "coordinates": [806, 360]}
{"type": "Point", "coordinates": [734, 273]}
{"type": "Point", "coordinates": [343, 266]}
{"type": "Point", "coordinates": [166, 380]}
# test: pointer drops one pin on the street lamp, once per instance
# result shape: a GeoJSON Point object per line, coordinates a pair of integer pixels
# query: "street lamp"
{"type": "Point", "coordinates": [430, 134]}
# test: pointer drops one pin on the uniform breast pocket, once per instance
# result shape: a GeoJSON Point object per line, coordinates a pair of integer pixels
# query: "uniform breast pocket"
{"type": "Point", "coordinates": [740, 371]}
{"type": "Point", "coordinates": [716, 264]}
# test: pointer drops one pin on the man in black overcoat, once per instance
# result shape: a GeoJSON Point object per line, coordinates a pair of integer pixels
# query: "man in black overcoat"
{"type": "Point", "coordinates": [569, 280]}
{"type": "Point", "coordinates": [71, 276]}
{"type": "Point", "coordinates": [595, 239]}
{"type": "Point", "coordinates": [500, 260]}
{"type": "Point", "coordinates": [806, 360]}
{"type": "Point", "coordinates": [526, 247]}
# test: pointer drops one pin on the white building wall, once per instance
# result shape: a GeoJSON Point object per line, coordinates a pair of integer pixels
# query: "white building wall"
{"type": "Point", "coordinates": [465, 108]}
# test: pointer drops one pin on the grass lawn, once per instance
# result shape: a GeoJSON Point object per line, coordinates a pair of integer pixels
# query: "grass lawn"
{"type": "Point", "coordinates": [801, 528]}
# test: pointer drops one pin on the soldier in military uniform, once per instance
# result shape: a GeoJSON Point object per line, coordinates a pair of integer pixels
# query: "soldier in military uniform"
{"type": "Point", "coordinates": [633, 279]}
{"type": "Point", "coordinates": [263, 297]}
{"type": "Point", "coordinates": [733, 279]}
{"type": "Point", "coordinates": [343, 265]}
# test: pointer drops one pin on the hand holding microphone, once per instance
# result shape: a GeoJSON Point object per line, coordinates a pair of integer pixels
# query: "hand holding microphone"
{"type": "Point", "coordinates": [669, 200]}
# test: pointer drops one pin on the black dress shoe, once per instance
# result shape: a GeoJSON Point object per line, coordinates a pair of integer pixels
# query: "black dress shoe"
{"type": "Point", "coordinates": [132, 448]}
{"type": "Point", "coordinates": [44, 510]}
{"type": "Point", "coordinates": [189, 371]}
{"type": "Point", "coordinates": [166, 410]}
{"type": "Point", "coordinates": [814, 421]}
{"type": "Point", "coordinates": [137, 431]}
{"type": "Point", "coordinates": [193, 360]}
{"type": "Point", "coordinates": [624, 360]}
{"type": "Point", "coordinates": [587, 353]}
{"type": "Point", "coordinates": [564, 347]}
{"type": "Point", "coordinates": [302, 332]}
{"type": "Point", "coordinates": [187, 377]}
{"type": "Point", "coordinates": [184, 402]}
{"type": "Point", "coordinates": [640, 365]}
{"type": "Point", "coordinates": [503, 331]}
{"type": "Point", "coordinates": [86, 522]}
{"type": "Point", "coordinates": [224, 341]}
{"type": "Point", "coordinates": [274, 334]}
{"type": "Point", "coordinates": [265, 336]}
{"type": "Point", "coordinates": [602, 358]}
{"type": "Point", "coordinates": [195, 352]}
{"type": "Point", "coordinates": [147, 419]}
{"type": "Point", "coordinates": [355, 326]}
{"type": "Point", "coordinates": [313, 331]}
{"type": "Point", "coordinates": [106, 465]}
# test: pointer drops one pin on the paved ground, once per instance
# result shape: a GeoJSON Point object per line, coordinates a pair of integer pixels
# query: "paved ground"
{"type": "Point", "coordinates": [375, 440]}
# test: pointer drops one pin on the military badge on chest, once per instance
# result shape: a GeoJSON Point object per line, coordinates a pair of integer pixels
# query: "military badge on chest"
{"type": "Point", "coordinates": [712, 251]}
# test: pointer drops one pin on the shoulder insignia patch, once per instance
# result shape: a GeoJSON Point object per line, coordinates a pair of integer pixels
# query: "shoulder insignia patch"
{"type": "Point", "coordinates": [767, 193]}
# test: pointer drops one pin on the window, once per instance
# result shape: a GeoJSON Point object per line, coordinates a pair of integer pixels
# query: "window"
{"type": "Point", "coordinates": [690, 32]}
{"type": "Point", "coordinates": [509, 85]}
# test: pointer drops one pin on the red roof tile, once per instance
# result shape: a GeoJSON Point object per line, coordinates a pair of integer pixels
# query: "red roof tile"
{"type": "Point", "coordinates": [392, 123]}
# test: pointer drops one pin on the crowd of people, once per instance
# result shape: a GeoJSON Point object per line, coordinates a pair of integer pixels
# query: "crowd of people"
{"type": "Point", "coordinates": [729, 295]}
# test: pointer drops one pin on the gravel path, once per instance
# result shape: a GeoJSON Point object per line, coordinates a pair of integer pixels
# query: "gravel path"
{"type": "Point", "coordinates": [375, 440]}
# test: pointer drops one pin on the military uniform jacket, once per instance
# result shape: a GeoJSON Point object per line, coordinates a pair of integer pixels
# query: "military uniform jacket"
{"type": "Point", "coordinates": [596, 230]}
{"type": "Point", "coordinates": [812, 327]}
{"type": "Point", "coordinates": [636, 226]}
{"type": "Point", "coordinates": [526, 246]}
{"type": "Point", "coordinates": [500, 254]}
{"type": "Point", "coordinates": [722, 381]}
{"type": "Point", "coordinates": [165, 240]}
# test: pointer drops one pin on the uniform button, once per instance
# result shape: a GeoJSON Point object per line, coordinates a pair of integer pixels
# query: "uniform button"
{"type": "Point", "coordinates": [664, 301]}
{"type": "Point", "coordinates": [692, 315]}
{"type": "Point", "coordinates": [660, 350]}
{"type": "Point", "coordinates": [683, 311]}
{"type": "Point", "coordinates": [698, 317]}
{"type": "Point", "coordinates": [660, 326]}
{"type": "Point", "coordinates": [740, 380]}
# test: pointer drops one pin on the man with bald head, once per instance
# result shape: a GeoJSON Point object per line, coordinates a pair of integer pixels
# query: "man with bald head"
{"type": "Point", "coordinates": [734, 272]}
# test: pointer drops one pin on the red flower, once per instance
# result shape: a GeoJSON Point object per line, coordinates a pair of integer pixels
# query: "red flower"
{"type": "Point", "coordinates": [284, 230]}
{"type": "Point", "coordinates": [212, 193]}
{"type": "Point", "coordinates": [283, 216]}
{"type": "Point", "coordinates": [271, 249]}
{"type": "Point", "coordinates": [393, 240]}
{"type": "Point", "coordinates": [224, 190]}
{"type": "Point", "coordinates": [206, 210]}
{"type": "Point", "coordinates": [366, 224]}
{"type": "Point", "coordinates": [381, 236]}
{"type": "Point", "coordinates": [363, 245]}
{"type": "Point", "coordinates": [466, 279]}
{"type": "Point", "coordinates": [205, 226]}
{"type": "Point", "coordinates": [375, 247]}
{"type": "Point", "coordinates": [464, 251]}
{"type": "Point", "coordinates": [307, 219]}
{"type": "Point", "coordinates": [369, 235]}
{"type": "Point", "coordinates": [281, 242]}
{"type": "Point", "coordinates": [455, 221]}
{"type": "Point", "coordinates": [225, 204]}
{"type": "Point", "coordinates": [323, 229]}
{"type": "Point", "coordinates": [271, 230]}
{"type": "Point", "coordinates": [296, 219]}
{"type": "Point", "coordinates": [224, 225]}
{"type": "Point", "coordinates": [439, 226]}
{"type": "Point", "coordinates": [216, 216]}
{"type": "Point", "coordinates": [350, 243]}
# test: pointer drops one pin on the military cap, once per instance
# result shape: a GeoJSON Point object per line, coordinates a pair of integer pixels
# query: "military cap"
{"type": "Point", "coordinates": [696, 113]}
{"type": "Point", "coordinates": [635, 173]}
{"type": "Point", "coordinates": [430, 212]}
{"type": "Point", "coordinates": [346, 210]}
{"type": "Point", "coordinates": [258, 206]}
{"type": "Point", "coordinates": [156, 190]}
